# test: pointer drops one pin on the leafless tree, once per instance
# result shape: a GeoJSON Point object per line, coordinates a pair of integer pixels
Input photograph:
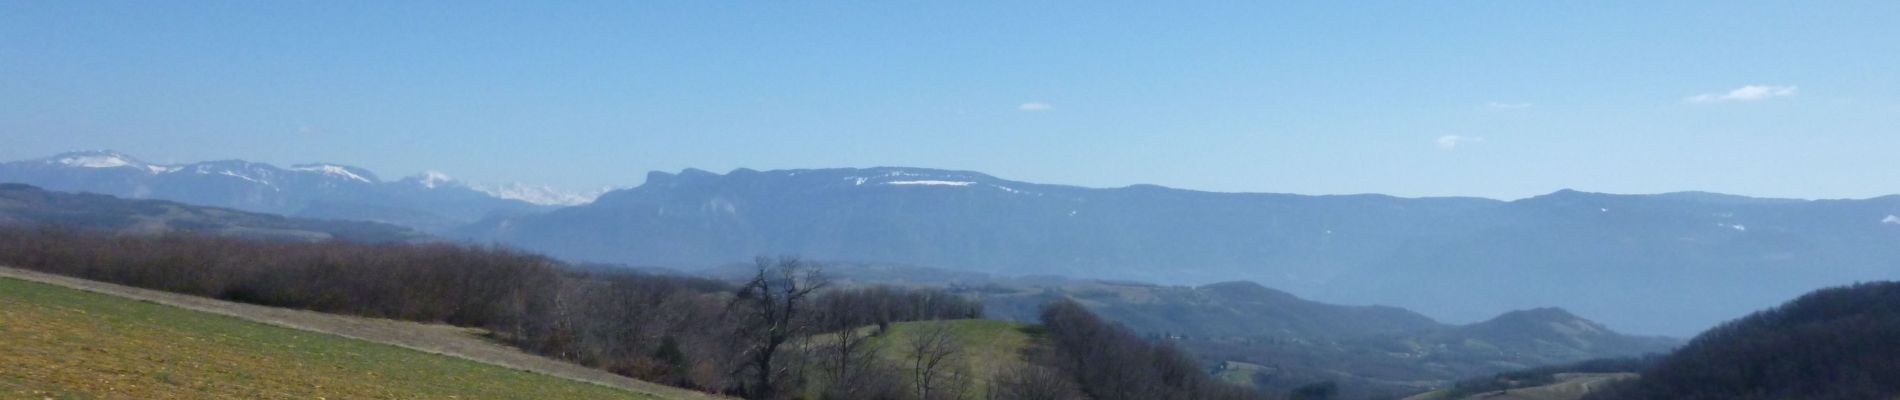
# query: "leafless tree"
{"type": "Point", "coordinates": [771, 308]}
{"type": "Point", "coordinates": [846, 357]}
{"type": "Point", "coordinates": [697, 333]}
{"type": "Point", "coordinates": [1033, 382]}
{"type": "Point", "coordinates": [934, 351]}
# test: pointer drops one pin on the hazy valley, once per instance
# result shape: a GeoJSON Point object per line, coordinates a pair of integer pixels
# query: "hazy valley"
{"type": "Point", "coordinates": [1669, 264]}
{"type": "Point", "coordinates": [1014, 247]}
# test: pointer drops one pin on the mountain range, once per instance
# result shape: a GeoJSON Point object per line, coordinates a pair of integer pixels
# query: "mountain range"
{"type": "Point", "coordinates": [23, 205]}
{"type": "Point", "coordinates": [429, 201]}
{"type": "Point", "coordinates": [1670, 264]}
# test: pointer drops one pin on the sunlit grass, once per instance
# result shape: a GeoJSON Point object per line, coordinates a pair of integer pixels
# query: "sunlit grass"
{"type": "Point", "coordinates": [63, 343]}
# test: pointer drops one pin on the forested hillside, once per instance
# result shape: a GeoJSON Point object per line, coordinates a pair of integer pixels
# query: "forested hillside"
{"type": "Point", "coordinates": [1837, 343]}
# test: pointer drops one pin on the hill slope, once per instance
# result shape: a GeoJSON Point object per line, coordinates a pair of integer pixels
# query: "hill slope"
{"type": "Point", "coordinates": [62, 343]}
{"type": "Point", "coordinates": [457, 342]}
{"type": "Point", "coordinates": [1837, 343]}
{"type": "Point", "coordinates": [1282, 341]}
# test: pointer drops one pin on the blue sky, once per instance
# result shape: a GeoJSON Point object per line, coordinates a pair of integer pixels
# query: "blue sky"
{"type": "Point", "coordinates": [1493, 99]}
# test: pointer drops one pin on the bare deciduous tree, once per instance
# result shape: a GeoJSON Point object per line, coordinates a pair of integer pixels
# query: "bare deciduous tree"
{"type": "Point", "coordinates": [934, 351]}
{"type": "Point", "coordinates": [1033, 382]}
{"type": "Point", "coordinates": [771, 308]}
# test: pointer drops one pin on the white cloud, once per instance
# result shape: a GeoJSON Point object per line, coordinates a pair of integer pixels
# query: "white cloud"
{"type": "Point", "coordinates": [1035, 106]}
{"type": "Point", "coordinates": [1507, 106]}
{"type": "Point", "coordinates": [1451, 142]}
{"type": "Point", "coordinates": [1745, 93]}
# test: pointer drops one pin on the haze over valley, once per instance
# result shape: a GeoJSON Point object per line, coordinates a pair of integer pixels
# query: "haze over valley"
{"type": "Point", "coordinates": [973, 200]}
{"type": "Point", "coordinates": [1665, 264]}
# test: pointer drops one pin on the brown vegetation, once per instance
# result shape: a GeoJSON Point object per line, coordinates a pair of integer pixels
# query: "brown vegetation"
{"type": "Point", "coordinates": [687, 332]}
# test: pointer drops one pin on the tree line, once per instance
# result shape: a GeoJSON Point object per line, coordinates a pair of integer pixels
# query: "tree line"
{"type": "Point", "coordinates": [1110, 362]}
{"type": "Point", "coordinates": [690, 332]}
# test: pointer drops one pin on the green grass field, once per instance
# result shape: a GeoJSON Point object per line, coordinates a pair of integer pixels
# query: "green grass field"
{"type": "Point", "coordinates": [989, 346]}
{"type": "Point", "coordinates": [59, 343]}
{"type": "Point", "coordinates": [1238, 373]}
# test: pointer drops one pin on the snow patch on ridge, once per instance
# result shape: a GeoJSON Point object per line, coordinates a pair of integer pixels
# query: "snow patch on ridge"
{"type": "Point", "coordinates": [535, 194]}
{"type": "Point", "coordinates": [1009, 189]}
{"type": "Point", "coordinates": [928, 182]}
{"type": "Point", "coordinates": [431, 179]}
{"type": "Point", "coordinates": [333, 170]}
{"type": "Point", "coordinates": [108, 159]}
{"type": "Point", "coordinates": [96, 161]}
{"type": "Point", "coordinates": [540, 194]}
{"type": "Point", "coordinates": [245, 177]}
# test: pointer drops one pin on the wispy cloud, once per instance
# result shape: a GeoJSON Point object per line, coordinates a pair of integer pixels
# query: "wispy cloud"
{"type": "Point", "coordinates": [1451, 142]}
{"type": "Point", "coordinates": [1507, 106]}
{"type": "Point", "coordinates": [1035, 106]}
{"type": "Point", "coordinates": [1745, 93]}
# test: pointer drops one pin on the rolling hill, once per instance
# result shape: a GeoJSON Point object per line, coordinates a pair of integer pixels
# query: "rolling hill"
{"type": "Point", "coordinates": [1835, 343]}
{"type": "Point", "coordinates": [1291, 342]}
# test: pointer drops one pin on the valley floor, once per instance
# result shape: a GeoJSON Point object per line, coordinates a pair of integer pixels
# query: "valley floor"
{"type": "Point", "coordinates": [112, 341]}
{"type": "Point", "coordinates": [1570, 386]}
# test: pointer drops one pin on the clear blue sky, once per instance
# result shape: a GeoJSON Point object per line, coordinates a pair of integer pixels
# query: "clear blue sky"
{"type": "Point", "coordinates": [1494, 99]}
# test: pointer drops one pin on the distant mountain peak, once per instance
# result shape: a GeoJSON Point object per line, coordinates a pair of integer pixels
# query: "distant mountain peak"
{"type": "Point", "coordinates": [534, 194]}
{"type": "Point", "coordinates": [432, 201]}
{"type": "Point", "coordinates": [1539, 314]}
{"type": "Point", "coordinates": [105, 159]}
{"type": "Point", "coordinates": [540, 194]}
{"type": "Point", "coordinates": [1723, 198]}
{"type": "Point", "coordinates": [431, 179]}
{"type": "Point", "coordinates": [1546, 318]}
{"type": "Point", "coordinates": [1566, 194]}
{"type": "Point", "coordinates": [697, 173]}
{"type": "Point", "coordinates": [1248, 290]}
{"type": "Point", "coordinates": [338, 171]}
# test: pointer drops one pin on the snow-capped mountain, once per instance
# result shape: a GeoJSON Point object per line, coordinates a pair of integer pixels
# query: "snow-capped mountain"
{"type": "Point", "coordinates": [541, 194]}
{"type": "Point", "coordinates": [105, 159]}
{"type": "Point", "coordinates": [533, 194]}
{"type": "Point", "coordinates": [431, 202]}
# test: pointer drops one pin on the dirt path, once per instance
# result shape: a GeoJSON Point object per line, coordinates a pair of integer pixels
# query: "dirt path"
{"type": "Point", "coordinates": [440, 339]}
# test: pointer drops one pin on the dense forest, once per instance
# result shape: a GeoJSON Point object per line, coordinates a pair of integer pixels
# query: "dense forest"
{"type": "Point", "coordinates": [1112, 363]}
{"type": "Point", "coordinates": [785, 332]}
{"type": "Point", "coordinates": [1836, 343]}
